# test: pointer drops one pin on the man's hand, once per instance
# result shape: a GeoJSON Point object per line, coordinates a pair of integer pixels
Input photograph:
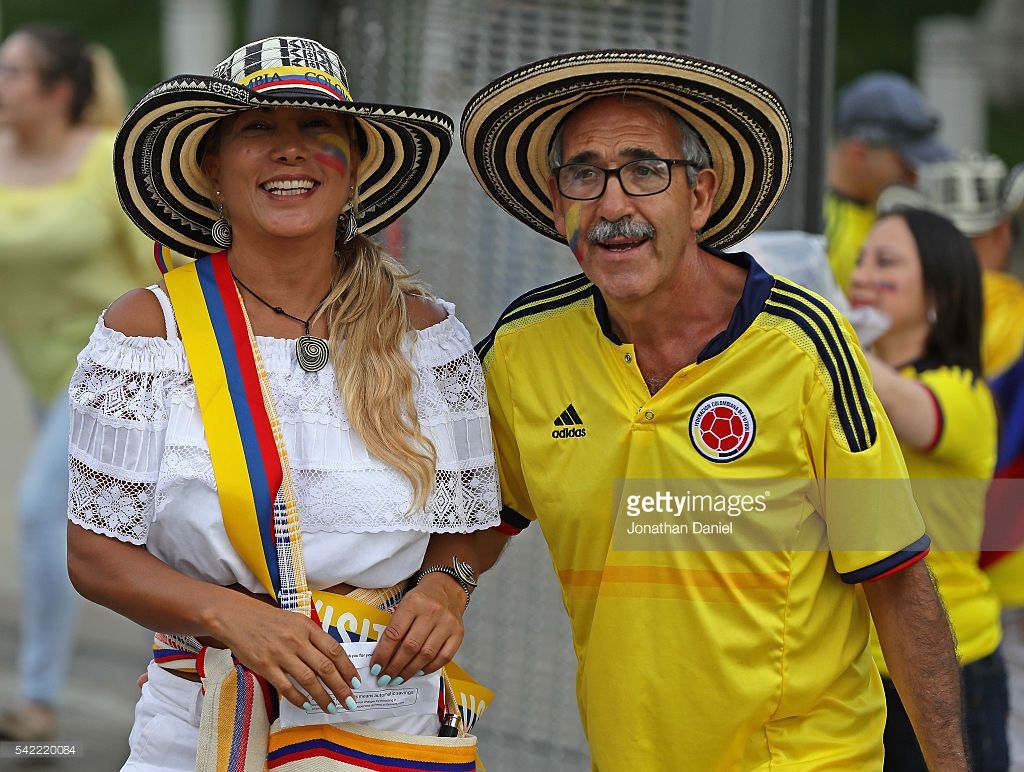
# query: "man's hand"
{"type": "Point", "coordinates": [919, 653]}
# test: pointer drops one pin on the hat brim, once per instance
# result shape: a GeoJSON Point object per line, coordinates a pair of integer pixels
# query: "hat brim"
{"type": "Point", "coordinates": [165, 192]}
{"type": "Point", "coordinates": [923, 152]}
{"type": "Point", "coordinates": [507, 129]}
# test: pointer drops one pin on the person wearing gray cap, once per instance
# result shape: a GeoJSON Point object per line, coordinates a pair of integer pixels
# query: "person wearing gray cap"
{"type": "Point", "coordinates": [884, 133]}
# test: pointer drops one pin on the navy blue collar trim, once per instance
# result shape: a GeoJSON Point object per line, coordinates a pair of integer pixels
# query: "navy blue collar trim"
{"type": "Point", "coordinates": [756, 289]}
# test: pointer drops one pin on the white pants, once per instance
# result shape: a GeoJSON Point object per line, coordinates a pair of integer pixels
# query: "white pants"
{"type": "Point", "coordinates": [166, 731]}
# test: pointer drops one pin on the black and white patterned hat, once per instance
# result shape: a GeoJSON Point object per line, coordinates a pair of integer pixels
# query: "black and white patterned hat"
{"type": "Point", "coordinates": [156, 159]}
{"type": "Point", "coordinates": [974, 190]}
{"type": "Point", "coordinates": [507, 129]}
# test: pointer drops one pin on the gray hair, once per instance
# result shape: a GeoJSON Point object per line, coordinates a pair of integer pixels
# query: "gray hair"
{"type": "Point", "coordinates": [693, 147]}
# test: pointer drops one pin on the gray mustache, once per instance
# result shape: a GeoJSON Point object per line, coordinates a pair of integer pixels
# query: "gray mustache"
{"type": "Point", "coordinates": [625, 228]}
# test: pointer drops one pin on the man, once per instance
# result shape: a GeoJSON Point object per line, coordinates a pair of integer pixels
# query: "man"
{"type": "Point", "coordinates": [670, 371]}
{"type": "Point", "coordinates": [885, 132]}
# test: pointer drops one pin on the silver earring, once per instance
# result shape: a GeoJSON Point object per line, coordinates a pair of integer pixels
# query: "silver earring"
{"type": "Point", "coordinates": [932, 316]}
{"type": "Point", "coordinates": [220, 232]}
{"type": "Point", "coordinates": [347, 227]}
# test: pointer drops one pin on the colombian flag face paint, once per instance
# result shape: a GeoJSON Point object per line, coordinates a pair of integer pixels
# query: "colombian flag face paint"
{"type": "Point", "coordinates": [572, 229]}
{"type": "Point", "coordinates": [334, 152]}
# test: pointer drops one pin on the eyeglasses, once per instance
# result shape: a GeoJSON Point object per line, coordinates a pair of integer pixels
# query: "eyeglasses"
{"type": "Point", "coordinates": [643, 177]}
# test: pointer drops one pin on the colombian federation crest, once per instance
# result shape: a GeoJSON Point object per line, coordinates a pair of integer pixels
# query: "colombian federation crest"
{"type": "Point", "coordinates": [722, 428]}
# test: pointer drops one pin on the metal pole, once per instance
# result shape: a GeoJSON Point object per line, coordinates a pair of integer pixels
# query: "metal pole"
{"type": "Point", "coordinates": [949, 71]}
{"type": "Point", "coordinates": [195, 35]}
{"type": "Point", "coordinates": [789, 45]}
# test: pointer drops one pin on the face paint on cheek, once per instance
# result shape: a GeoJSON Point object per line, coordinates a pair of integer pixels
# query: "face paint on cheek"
{"type": "Point", "coordinates": [572, 229]}
{"type": "Point", "coordinates": [886, 286]}
{"type": "Point", "coordinates": [334, 152]}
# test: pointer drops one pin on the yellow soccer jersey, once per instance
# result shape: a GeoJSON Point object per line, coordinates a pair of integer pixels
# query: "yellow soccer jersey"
{"type": "Point", "coordinates": [1002, 332]}
{"type": "Point", "coordinates": [743, 648]}
{"type": "Point", "coordinates": [847, 223]}
{"type": "Point", "coordinates": [950, 480]}
{"type": "Point", "coordinates": [1006, 576]}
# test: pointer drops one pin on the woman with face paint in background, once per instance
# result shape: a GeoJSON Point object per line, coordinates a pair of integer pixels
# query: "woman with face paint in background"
{"type": "Point", "coordinates": [66, 249]}
{"type": "Point", "coordinates": [918, 270]}
{"type": "Point", "coordinates": [375, 398]}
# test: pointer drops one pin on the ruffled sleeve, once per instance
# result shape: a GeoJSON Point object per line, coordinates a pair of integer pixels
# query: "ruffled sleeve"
{"type": "Point", "coordinates": [452, 410]}
{"type": "Point", "coordinates": [119, 415]}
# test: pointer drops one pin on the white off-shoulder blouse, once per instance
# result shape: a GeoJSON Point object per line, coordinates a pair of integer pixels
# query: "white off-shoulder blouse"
{"type": "Point", "coordinates": [141, 472]}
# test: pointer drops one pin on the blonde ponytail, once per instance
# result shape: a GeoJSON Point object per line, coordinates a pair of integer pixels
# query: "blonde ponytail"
{"type": "Point", "coordinates": [368, 323]}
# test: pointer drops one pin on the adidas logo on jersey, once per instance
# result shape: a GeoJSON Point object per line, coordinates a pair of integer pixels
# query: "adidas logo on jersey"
{"type": "Point", "coordinates": [569, 418]}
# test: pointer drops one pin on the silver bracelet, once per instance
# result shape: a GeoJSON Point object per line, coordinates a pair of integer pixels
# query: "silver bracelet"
{"type": "Point", "coordinates": [445, 570]}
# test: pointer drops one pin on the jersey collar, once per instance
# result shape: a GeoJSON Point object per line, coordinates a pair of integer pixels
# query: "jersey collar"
{"type": "Point", "coordinates": [756, 288]}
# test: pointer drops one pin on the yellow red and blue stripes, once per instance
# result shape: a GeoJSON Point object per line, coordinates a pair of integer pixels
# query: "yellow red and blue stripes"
{"type": "Point", "coordinates": [238, 429]}
{"type": "Point", "coordinates": [360, 751]}
{"type": "Point", "coordinates": [162, 256]}
{"type": "Point", "coordinates": [240, 706]}
{"type": "Point", "coordinates": [275, 78]}
{"type": "Point", "coordinates": [572, 229]}
{"type": "Point", "coordinates": [335, 152]}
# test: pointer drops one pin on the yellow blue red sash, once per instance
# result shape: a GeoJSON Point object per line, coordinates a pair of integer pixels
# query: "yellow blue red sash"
{"type": "Point", "coordinates": [239, 430]}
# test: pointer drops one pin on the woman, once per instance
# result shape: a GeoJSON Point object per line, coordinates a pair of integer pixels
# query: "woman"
{"type": "Point", "coordinates": [272, 165]}
{"type": "Point", "coordinates": [65, 245]}
{"type": "Point", "coordinates": [921, 272]}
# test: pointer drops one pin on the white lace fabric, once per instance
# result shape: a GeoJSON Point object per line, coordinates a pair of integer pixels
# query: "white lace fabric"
{"type": "Point", "coordinates": [140, 464]}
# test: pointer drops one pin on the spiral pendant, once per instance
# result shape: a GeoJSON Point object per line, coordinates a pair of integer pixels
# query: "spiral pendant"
{"type": "Point", "coordinates": [312, 353]}
{"type": "Point", "coordinates": [221, 233]}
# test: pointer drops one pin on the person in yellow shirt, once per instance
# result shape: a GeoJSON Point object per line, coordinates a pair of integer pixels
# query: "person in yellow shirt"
{"type": "Point", "coordinates": [66, 250]}
{"type": "Point", "coordinates": [671, 370]}
{"type": "Point", "coordinates": [982, 198]}
{"type": "Point", "coordinates": [885, 132]}
{"type": "Point", "coordinates": [921, 272]}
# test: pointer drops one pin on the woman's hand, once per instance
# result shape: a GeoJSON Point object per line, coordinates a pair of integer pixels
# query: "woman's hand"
{"type": "Point", "coordinates": [424, 633]}
{"type": "Point", "coordinates": [286, 647]}
{"type": "Point", "coordinates": [277, 644]}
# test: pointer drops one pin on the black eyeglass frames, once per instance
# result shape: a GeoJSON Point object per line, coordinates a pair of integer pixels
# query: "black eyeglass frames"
{"type": "Point", "coordinates": [642, 177]}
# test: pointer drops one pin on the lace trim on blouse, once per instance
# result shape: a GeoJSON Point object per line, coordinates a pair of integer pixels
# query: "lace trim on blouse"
{"type": "Point", "coordinates": [137, 439]}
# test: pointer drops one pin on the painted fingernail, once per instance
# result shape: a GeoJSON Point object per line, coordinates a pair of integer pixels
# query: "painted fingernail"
{"type": "Point", "coordinates": [332, 708]}
{"type": "Point", "coordinates": [308, 707]}
{"type": "Point", "coordinates": [398, 681]}
{"type": "Point", "coordinates": [419, 673]}
{"type": "Point", "coordinates": [384, 680]}
{"type": "Point", "coordinates": [350, 703]}
{"type": "Point", "coordinates": [375, 670]}
{"type": "Point", "coordinates": [356, 683]}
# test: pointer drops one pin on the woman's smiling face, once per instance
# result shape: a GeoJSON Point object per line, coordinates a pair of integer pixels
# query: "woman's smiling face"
{"type": "Point", "coordinates": [888, 275]}
{"type": "Point", "coordinates": [283, 171]}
